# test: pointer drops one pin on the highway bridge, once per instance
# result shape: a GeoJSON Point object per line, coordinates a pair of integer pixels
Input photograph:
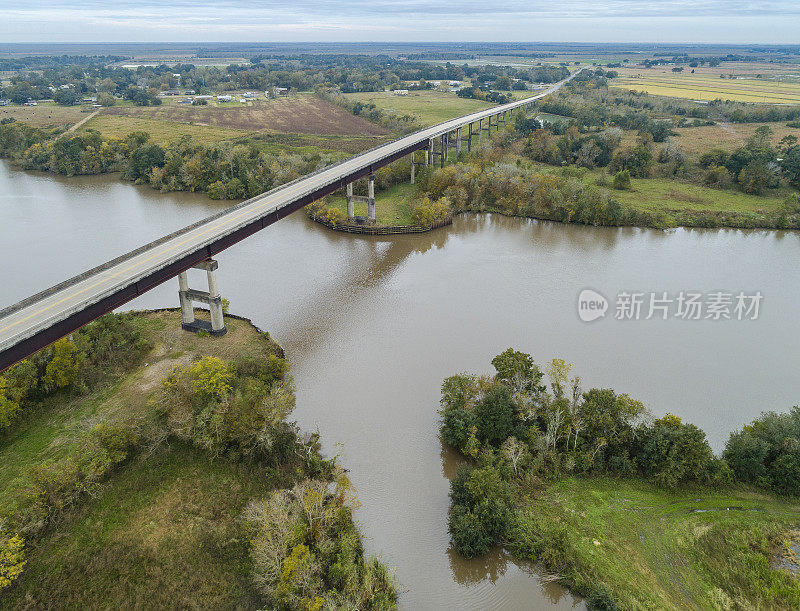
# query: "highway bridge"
{"type": "Point", "coordinates": [43, 318]}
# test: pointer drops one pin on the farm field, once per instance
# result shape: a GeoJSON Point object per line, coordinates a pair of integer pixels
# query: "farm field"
{"type": "Point", "coordinates": [45, 115]}
{"type": "Point", "coordinates": [305, 114]}
{"type": "Point", "coordinates": [298, 121]}
{"type": "Point", "coordinates": [708, 87]}
{"type": "Point", "coordinates": [431, 107]}
{"type": "Point", "coordinates": [726, 136]}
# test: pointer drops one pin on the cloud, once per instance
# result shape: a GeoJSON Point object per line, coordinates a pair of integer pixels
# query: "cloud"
{"type": "Point", "coordinates": [413, 20]}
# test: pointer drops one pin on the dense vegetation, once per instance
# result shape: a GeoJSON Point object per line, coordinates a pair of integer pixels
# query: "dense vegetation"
{"type": "Point", "coordinates": [43, 77]}
{"type": "Point", "coordinates": [223, 171]}
{"type": "Point", "coordinates": [521, 435]}
{"type": "Point", "coordinates": [298, 543]}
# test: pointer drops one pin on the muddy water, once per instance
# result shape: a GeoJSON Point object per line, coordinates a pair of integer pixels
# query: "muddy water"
{"type": "Point", "coordinates": [372, 326]}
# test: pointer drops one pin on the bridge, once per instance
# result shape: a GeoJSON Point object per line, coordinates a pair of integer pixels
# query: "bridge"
{"type": "Point", "coordinates": [41, 319]}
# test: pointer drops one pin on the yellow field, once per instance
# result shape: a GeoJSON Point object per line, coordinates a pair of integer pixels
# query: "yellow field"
{"type": "Point", "coordinates": [708, 87]}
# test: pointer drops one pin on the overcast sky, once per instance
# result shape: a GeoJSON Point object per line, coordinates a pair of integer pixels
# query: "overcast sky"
{"type": "Point", "coordinates": [731, 21]}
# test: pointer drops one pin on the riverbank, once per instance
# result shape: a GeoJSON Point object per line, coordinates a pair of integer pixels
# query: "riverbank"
{"type": "Point", "coordinates": [627, 510]}
{"type": "Point", "coordinates": [491, 180]}
{"type": "Point", "coordinates": [160, 478]}
{"type": "Point", "coordinates": [641, 546]}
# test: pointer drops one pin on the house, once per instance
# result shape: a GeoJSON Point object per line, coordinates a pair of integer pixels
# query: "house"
{"type": "Point", "coordinates": [5, 102]}
{"type": "Point", "coordinates": [184, 102]}
{"type": "Point", "coordinates": [190, 92]}
{"type": "Point", "coordinates": [203, 97]}
{"type": "Point", "coordinates": [400, 92]}
{"type": "Point", "coordinates": [250, 94]}
{"type": "Point", "coordinates": [225, 98]}
{"type": "Point", "coordinates": [281, 91]}
{"type": "Point", "coordinates": [31, 103]}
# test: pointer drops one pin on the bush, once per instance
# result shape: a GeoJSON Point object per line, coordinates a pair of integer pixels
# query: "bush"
{"type": "Point", "coordinates": [767, 452]}
{"type": "Point", "coordinates": [467, 533]}
{"type": "Point", "coordinates": [674, 453]}
{"type": "Point", "coordinates": [12, 558]}
{"type": "Point", "coordinates": [622, 180]}
{"type": "Point", "coordinates": [456, 427]}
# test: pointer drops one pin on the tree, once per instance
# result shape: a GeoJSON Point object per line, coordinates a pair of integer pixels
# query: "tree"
{"type": "Point", "coordinates": [791, 166]}
{"type": "Point", "coordinates": [494, 415]}
{"type": "Point", "coordinates": [674, 453]}
{"type": "Point", "coordinates": [67, 97]}
{"type": "Point", "coordinates": [62, 370]}
{"type": "Point", "coordinates": [143, 159]}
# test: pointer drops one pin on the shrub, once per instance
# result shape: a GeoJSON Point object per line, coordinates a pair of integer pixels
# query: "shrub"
{"type": "Point", "coordinates": [9, 409]}
{"type": "Point", "coordinates": [12, 558]}
{"type": "Point", "coordinates": [456, 427]}
{"type": "Point", "coordinates": [767, 452]}
{"type": "Point", "coordinates": [467, 533]}
{"type": "Point", "coordinates": [217, 190]}
{"type": "Point", "coordinates": [674, 453]}
{"type": "Point", "coordinates": [622, 180]}
{"type": "Point", "coordinates": [717, 176]}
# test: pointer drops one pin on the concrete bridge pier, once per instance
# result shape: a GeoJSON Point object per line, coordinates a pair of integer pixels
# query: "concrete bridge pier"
{"type": "Point", "coordinates": [351, 203]}
{"type": "Point", "coordinates": [212, 297]}
{"type": "Point", "coordinates": [371, 197]}
{"type": "Point", "coordinates": [469, 139]}
{"type": "Point", "coordinates": [458, 142]}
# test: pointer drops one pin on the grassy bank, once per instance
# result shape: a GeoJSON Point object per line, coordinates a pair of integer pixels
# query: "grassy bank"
{"type": "Point", "coordinates": [392, 206]}
{"type": "Point", "coordinates": [175, 480]}
{"type": "Point", "coordinates": [656, 548]}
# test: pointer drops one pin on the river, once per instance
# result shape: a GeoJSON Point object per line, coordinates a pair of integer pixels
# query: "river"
{"type": "Point", "coordinates": [372, 326]}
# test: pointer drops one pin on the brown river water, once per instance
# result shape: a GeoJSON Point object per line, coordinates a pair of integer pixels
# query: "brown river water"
{"type": "Point", "coordinates": [373, 325]}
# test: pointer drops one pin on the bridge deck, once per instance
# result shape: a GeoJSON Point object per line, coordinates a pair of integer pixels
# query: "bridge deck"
{"type": "Point", "coordinates": [41, 319]}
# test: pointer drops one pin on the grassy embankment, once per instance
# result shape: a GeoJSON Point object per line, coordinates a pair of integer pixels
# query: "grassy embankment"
{"type": "Point", "coordinates": [165, 528]}
{"type": "Point", "coordinates": [660, 549]}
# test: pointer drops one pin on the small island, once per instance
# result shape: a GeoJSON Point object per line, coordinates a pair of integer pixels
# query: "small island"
{"type": "Point", "coordinates": [629, 511]}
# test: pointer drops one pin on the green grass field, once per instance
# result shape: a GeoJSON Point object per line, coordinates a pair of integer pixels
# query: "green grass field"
{"type": "Point", "coordinates": [659, 549]}
{"type": "Point", "coordinates": [161, 132]}
{"type": "Point", "coordinates": [430, 107]}
{"type": "Point", "coordinates": [671, 195]}
{"type": "Point", "coordinates": [392, 207]}
{"type": "Point", "coordinates": [162, 534]}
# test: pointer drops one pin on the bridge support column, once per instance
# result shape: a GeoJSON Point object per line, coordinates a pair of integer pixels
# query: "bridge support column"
{"type": "Point", "coordinates": [371, 197]}
{"type": "Point", "coordinates": [469, 139]}
{"type": "Point", "coordinates": [443, 152]}
{"type": "Point", "coordinates": [351, 203]}
{"type": "Point", "coordinates": [413, 166]}
{"type": "Point", "coordinates": [428, 154]}
{"type": "Point", "coordinates": [458, 142]}
{"type": "Point", "coordinates": [480, 131]}
{"type": "Point", "coordinates": [187, 296]}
